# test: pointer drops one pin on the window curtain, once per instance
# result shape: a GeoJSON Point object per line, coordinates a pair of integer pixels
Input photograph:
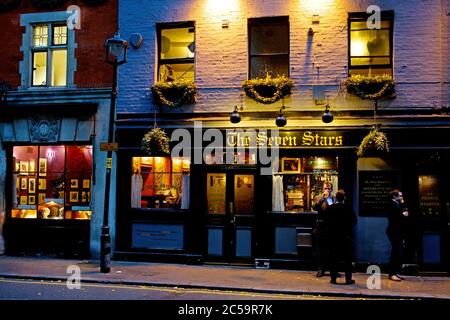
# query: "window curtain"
{"type": "Point", "coordinates": [136, 190]}
{"type": "Point", "coordinates": [277, 193]}
{"type": "Point", "coordinates": [185, 192]}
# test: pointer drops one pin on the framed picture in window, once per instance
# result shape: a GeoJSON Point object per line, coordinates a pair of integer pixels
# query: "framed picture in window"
{"type": "Point", "coordinates": [42, 185]}
{"type": "Point", "coordinates": [23, 200]}
{"type": "Point", "coordinates": [86, 183]}
{"type": "Point", "coordinates": [41, 198]}
{"type": "Point", "coordinates": [23, 184]}
{"type": "Point", "coordinates": [32, 166]}
{"type": "Point", "coordinates": [74, 183]}
{"type": "Point", "coordinates": [31, 185]}
{"type": "Point", "coordinates": [31, 200]}
{"type": "Point", "coordinates": [23, 167]}
{"type": "Point", "coordinates": [290, 165]}
{"type": "Point", "coordinates": [42, 167]}
{"type": "Point", "coordinates": [73, 196]}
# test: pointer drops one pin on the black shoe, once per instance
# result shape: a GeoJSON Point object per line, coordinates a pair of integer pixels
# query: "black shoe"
{"type": "Point", "coordinates": [320, 273]}
{"type": "Point", "coordinates": [349, 281]}
{"type": "Point", "coordinates": [333, 281]}
{"type": "Point", "coordinates": [338, 275]}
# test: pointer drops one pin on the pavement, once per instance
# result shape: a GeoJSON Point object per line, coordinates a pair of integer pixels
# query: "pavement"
{"type": "Point", "coordinates": [227, 278]}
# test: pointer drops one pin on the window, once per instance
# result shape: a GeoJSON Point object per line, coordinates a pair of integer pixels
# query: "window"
{"type": "Point", "coordinates": [176, 48]}
{"type": "Point", "coordinates": [370, 50]}
{"type": "Point", "coordinates": [268, 46]}
{"type": "Point", "coordinates": [160, 182]}
{"type": "Point", "coordinates": [52, 182]}
{"type": "Point", "coordinates": [49, 56]}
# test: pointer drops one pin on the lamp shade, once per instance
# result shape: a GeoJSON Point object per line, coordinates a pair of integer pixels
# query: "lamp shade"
{"type": "Point", "coordinates": [235, 117]}
{"type": "Point", "coordinates": [281, 120]}
{"type": "Point", "coordinates": [116, 46]}
{"type": "Point", "coordinates": [327, 117]}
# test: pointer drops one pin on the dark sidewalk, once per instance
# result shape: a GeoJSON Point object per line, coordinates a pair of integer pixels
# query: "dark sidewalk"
{"type": "Point", "coordinates": [223, 278]}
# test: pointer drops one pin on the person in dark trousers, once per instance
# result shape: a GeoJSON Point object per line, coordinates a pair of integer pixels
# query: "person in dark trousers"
{"type": "Point", "coordinates": [320, 230]}
{"type": "Point", "coordinates": [341, 220]}
{"type": "Point", "coordinates": [395, 232]}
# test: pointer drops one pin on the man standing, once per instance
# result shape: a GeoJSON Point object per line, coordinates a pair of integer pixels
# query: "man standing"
{"type": "Point", "coordinates": [395, 231]}
{"type": "Point", "coordinates": [341, 219]}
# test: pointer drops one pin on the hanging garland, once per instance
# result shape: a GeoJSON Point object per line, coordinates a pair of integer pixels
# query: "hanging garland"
{"type": "Point", "coordinates": [156, 142]}
{"type": "Point", "coordinates": [48, 4]}
{"type": "Point", "coordinates": [370, 87]}
{"type": "Point", "coordinates": [267, 90]}
{"type": "Point", "coordinates": [375, 143]}
{"type": "Point", "coordinates": [6, 5]}
{"type": "Point", "coordinates": [174, 94]}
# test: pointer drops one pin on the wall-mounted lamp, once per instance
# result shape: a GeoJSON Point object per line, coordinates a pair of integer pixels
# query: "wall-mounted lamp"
{"type": "Point", "coordinates": [310, 32]}
{"type": "Point", "coordinates": [281, 119]}
{"type": "Point", "coordinates": [235, 116]}
{"type": "Point", "coordinates": [327, 117]}
{"type": "Point", "coordinates": [225, 24]}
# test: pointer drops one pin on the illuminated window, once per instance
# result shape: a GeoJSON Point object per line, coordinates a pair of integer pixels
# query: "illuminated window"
{"type": "Point", "coordinates": [160, 182]}
{"type": "Point", "coordinates": [268, 46]}
{"type": "Point", "coordinates": [176, 48]}
{"type": "Point", "coordinates": [370, 50]}
{"type": "Point", "coordinates": [52, 182]}
{"type": "Point", "coordinates": [49, 53]}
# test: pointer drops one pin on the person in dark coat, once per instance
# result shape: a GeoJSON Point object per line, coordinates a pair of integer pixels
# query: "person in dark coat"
{"type": "Point", "coordinates": [320, 230]}
{"type": "Point", "coordinates": [341, 220]}
{"type": "Point", "coordinates": [395, 232]}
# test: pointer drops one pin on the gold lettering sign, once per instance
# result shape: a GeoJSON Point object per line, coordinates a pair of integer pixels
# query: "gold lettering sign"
{"type": "Point", "coordinates": [286, 140]}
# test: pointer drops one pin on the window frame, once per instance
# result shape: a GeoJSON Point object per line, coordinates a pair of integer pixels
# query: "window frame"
{"type": "Point", "coordinates": [173, 25]}
{"type": "Point", "coordinates": [28, 22]}
{"type": "Point", "coordinates": [264, 21]}
{"type": "Point", "coordinates": [362, 17]}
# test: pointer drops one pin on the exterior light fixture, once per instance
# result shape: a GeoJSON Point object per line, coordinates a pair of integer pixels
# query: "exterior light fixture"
{"type": "Point", "coordinates": [310, 32]}
{"type": "Point", "coordinates": [327, 117]}
{"type": "Point", "coordinates": [235, 117]}
{"type": "Point", "coordinates": [281, 119]}
{"type": "Point", "coordinates": [116, 54]}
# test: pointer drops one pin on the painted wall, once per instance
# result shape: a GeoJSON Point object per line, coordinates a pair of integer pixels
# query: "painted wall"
{"type": "Point", "coordinates": [421, 53]}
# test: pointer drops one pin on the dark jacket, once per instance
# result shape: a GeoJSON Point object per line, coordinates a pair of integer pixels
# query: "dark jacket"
{"type": "Point", "coordinates": [340, 220]}
{"type": "Point", "coordinates": [396, 220]}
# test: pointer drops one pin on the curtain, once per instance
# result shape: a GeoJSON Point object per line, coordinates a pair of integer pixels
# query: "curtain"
{"type": "Point", "coordinates": [277, 193]}
{"type": "Point", "coordinates": [185, 192]}
{"type": "Point", "coordinates": [136, 190]}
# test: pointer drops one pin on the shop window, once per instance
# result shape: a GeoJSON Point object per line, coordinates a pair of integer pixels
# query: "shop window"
{"type": "Point", "coordinates": [302, 180]}
{"type": "Point", "coordinates": [49, 53]}
{"type": "Point", "coordinates": [176, 47]}
{"type": "Point", "coordinates": [268, 46]}
{"type": "Point", "coordinates": [370, 50]}
{"type": "Point", "coordinates": [52, 182]}
{"type": "Point", "coordinates": [160, 182]}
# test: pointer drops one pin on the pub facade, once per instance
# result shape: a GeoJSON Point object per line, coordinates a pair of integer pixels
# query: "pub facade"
{"type": "Point", "coordinates": [229, 207]}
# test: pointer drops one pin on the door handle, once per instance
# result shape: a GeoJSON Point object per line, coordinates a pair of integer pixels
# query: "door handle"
{"type": "Point", "coordinates": [230, 206]}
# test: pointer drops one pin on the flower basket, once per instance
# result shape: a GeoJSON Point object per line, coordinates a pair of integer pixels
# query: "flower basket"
{"type": "Point", "coordinates": [6, 5]}
{"type": "Point", "coordinates": [156, 143]}
{"type": "Point", "coordinates": [174, 94]}
{"type": "Point", "coordinates": [371, 87]}
{"type": "Point", "coordinates": [374, 144]}
{"type": "Point", "coordinates": [267, 90]}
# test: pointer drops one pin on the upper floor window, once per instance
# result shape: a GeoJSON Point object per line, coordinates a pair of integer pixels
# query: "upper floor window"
{"type": "Point", "coordinates": [370, 50]}
{"type": "Point", "coordinates": [48, 50]}
{"type": "Point", "coordinates": [49, 55]}
{"type": "Point", "coordinates": [176, 51]}
{"type": "Point", "coordinates": [268, 46]}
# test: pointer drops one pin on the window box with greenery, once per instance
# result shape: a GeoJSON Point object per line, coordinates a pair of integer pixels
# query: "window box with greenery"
{"type": "Point", "coordinates": [371, 87]}
{"type": "Point", "coordinates": [374, 144]}
{"type": "Point", "coordinates": [174, 94]}
{"type": "Point", "coordinates": [268, 90]}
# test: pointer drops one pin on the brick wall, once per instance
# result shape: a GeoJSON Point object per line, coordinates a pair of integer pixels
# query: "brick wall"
{"type": "Point", "coordinates": [221, 62]}
{"type": "Point", "coordinates": [97, 24]}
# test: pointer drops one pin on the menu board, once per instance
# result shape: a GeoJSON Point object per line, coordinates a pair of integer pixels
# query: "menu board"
{"type": "Point", "coordinates": [374, 189]}
{"type": "Point", "coordinates": [216, 193]}
{"type": "Point", "coordinates": [429, 199]}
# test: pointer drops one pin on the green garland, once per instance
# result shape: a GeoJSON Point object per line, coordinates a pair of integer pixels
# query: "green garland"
{"type": "Point", "coordinates": [267, 90]}
{"type": "Point", "coordinates": [156, 143]}
{"type": "Point", "coordinates": [174, 94]}
{"type": "Point", "coordinates": [375, 143]}
{"type": "Point", "coordinates": [370, 87]}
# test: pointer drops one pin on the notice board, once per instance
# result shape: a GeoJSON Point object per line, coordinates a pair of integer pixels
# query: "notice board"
{"type": "Point", "coordinates": [374, 188]}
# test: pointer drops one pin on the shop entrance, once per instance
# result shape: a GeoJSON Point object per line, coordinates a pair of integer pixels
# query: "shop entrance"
{"type": "Point", "coordinates": [230, 215]}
